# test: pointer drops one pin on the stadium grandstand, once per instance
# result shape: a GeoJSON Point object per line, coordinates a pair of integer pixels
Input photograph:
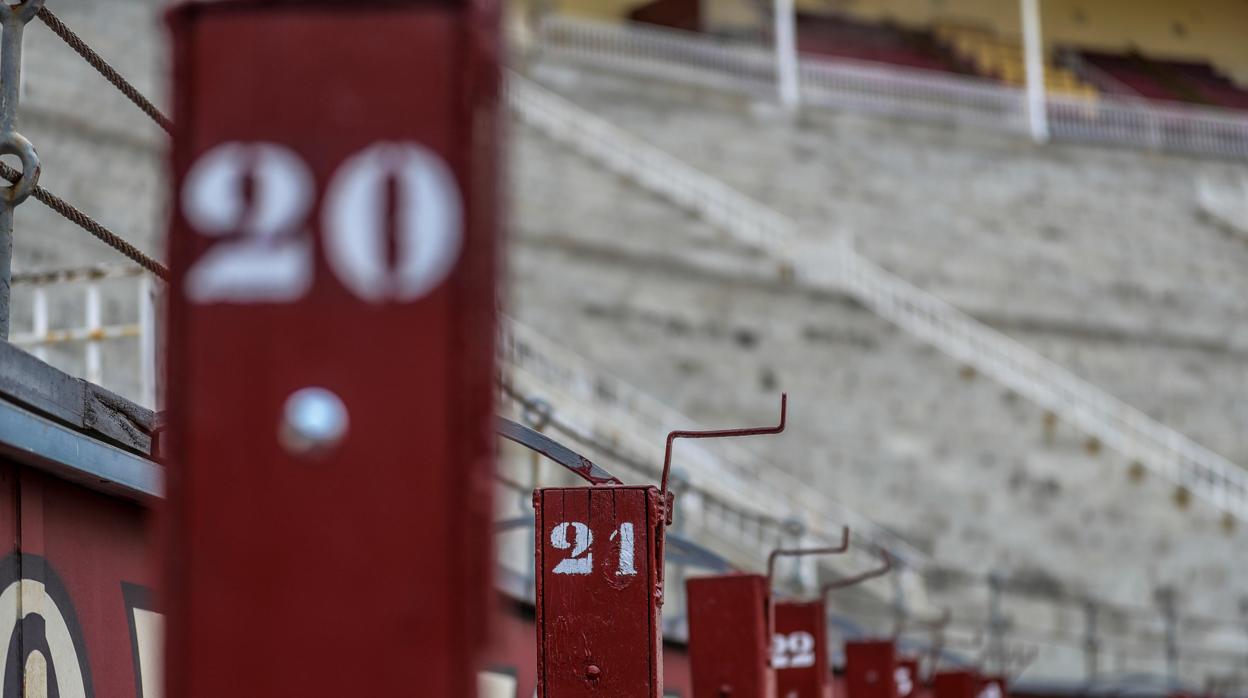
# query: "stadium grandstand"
{"type": "Point", "coordinates": [995, 252]}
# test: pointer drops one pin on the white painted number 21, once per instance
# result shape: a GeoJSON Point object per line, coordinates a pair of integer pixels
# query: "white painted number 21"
{"type": "Point", "coordinates": [260, 196]}
{"type": "Point", "coordinates": [577, 537]}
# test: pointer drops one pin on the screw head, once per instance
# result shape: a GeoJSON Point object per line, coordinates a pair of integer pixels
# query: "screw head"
{"type": "Point", "coordinates": [314, 421]}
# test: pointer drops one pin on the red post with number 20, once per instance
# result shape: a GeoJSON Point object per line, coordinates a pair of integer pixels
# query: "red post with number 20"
{"type": "Point", "coordinates": [331, 318]}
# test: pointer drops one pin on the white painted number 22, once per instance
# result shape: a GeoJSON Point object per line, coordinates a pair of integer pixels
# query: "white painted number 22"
{"type": "Point", "coordinates": [261, 195]}
{"type": "Point", "coordinates": [793, 651]}
{"type": "Point", "coordinates": [581, 560]}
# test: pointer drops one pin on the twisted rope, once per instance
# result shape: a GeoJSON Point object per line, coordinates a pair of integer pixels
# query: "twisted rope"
{"type": "Point", "coordinates": [103, 68]}
{"type": "Point", "coordinates": [90, 225]}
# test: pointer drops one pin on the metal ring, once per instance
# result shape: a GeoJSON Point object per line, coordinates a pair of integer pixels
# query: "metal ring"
{"type": "Point", "coordinates": [23, 11]}
{"type": "Point", "coordinates": [16, 144]}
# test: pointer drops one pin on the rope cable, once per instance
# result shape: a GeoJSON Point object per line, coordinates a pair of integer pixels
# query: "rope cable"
{"type": "Point", "coordinates": [103, 68]}
{"type": "Point", "coordinates": [90, 225]}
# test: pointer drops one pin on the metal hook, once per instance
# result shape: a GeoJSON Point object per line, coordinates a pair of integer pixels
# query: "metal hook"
{"type": "Point", "coordinates": [794, 552]}
{"type": "Point", "coordinates": [717, 434]}
{"type": "Point", "coordinates": [880, 571]}
{"type": "Point", "coordinates": [802, 552]}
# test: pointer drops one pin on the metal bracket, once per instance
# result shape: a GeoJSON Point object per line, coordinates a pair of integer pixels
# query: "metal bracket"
{"type": "Point", "coordinates": [794, 552]}
{"type": "Point", "coordinates": [539, 442]}
{"type": "Point", "coordinates": [885, 567]}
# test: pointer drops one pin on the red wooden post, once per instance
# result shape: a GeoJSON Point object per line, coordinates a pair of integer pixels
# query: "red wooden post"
{"type": "Point", "coordinates": [600, 581]}
{"type": "Point", "coordinates": [961, 683]}
{"type": "Point", "coordinates": [799, 650]}
{"type": "Point", "coordinates": [728, 642]}
{"type": "Point", "coordinates": [332, 309]}
{"type": "Point", "coordinates": [599, 586]}
{"type": "Point", "coordinates": [871, 669]}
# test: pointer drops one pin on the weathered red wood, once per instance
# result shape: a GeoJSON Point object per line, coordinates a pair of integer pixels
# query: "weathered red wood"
{"type": "Point", "coordinates": [799, 650]}
{"type": "Point", "coordinates": [871, 669]}
{"type": "Point", "coordinates": [728, 643]}
{"type": "Point", "coordinates": [361, 568]}
{"type": "Point", "coordinates": [82, 561]}
{"type": "Point", "coordinates": [599, 625]}
{"type": "Point", "coordinates": [960, 683]}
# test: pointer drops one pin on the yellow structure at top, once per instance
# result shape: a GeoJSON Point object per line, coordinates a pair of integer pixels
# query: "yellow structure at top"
{"type": "Point", "coordinates": [1211, 31]}
{"type": "Point", "coordinates": [1003, 59]}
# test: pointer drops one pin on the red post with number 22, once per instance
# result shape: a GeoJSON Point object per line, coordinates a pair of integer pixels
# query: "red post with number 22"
{"type": "Point", "coordinates": [331, 319]}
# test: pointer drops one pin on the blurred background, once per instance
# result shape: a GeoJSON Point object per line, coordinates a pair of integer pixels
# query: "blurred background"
{"type": "Point", "coordinates": [994, 251]}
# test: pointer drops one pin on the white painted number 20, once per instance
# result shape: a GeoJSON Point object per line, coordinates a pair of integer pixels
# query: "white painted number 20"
{"type": "Point", "coordinates": [260, 196]}
{"type": "Point", "coordinates": [581, 560]}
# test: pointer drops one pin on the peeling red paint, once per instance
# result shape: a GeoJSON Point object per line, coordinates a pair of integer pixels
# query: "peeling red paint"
{"type": "Point", "coordinates": [599, 629]}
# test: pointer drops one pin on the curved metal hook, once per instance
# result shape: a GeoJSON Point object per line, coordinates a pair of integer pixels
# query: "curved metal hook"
{"type": "Point", "coordinates": [794, 552]}
{"type": "Point", "coordinates": [802, 552]}
{"type": "Point", "coordinates": [717, 434]}
{"type": "Point", "coordinates": [861, 577]}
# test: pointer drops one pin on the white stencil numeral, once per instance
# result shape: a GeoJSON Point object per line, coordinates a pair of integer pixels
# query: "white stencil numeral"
{"type": "Point", "coordinates": [582, 538]}
{"type": "Point", "coordinates": [258, 198]}
{"type": "Point", "coordinates": [258, 195]}
{"type": "Point", "coordinates": [793, 651]}
{"type": "Point", "coordinates": [628, 545]}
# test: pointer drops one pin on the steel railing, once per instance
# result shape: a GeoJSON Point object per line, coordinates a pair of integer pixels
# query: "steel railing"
{"type": "Point", "coordinates": [93, 332]}
{"type": "Point", "coordinates": [842, 83]}
{"type": "Point", "coordinates": [1085, 406]}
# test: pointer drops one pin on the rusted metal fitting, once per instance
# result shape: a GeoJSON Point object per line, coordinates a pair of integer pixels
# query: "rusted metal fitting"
{"type": "Point", "coordinates": [886, 566]}
{"type": "Point", "coordinates": [795, 552]}
{"type": "Point", "coordinates": [717, 434]}
{"type": "Point", "coordinates": [17, 144]}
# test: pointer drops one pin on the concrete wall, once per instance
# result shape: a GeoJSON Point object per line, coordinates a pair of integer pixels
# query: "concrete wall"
{"type": "Point", "coordinates": [1096, 257]}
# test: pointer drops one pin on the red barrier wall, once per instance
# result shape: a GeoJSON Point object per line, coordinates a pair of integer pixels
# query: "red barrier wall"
{"type": "Point", "coordinates": [80, 560]}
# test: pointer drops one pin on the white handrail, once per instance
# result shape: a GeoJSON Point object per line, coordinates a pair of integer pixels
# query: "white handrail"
{"type": "Point", "coordinates": [92, 332]}
{"type": "Point", "coordinates": [1085, 406]}
{"type": "Point", "coordinates": [842, 83]}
